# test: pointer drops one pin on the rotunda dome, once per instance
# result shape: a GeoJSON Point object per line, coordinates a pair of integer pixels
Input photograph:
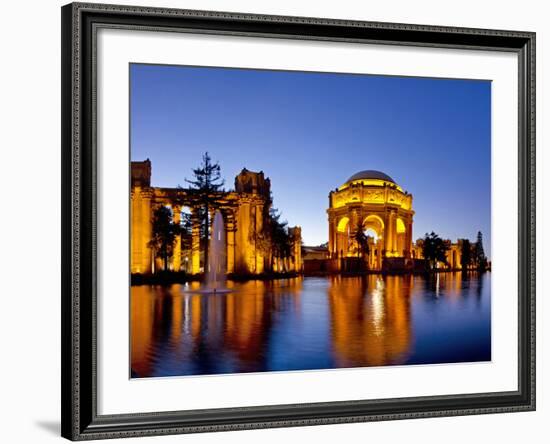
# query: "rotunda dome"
{"type": "Point", "coordinates": [370, 174]}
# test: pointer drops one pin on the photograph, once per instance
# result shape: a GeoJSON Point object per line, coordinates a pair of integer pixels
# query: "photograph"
{"type": "Point", "coordinates": [306, 221]}
{"type": "Point", "coordinates": [275, 219]}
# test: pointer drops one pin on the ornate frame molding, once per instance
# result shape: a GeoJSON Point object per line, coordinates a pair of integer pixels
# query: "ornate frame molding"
{"type": "Point", "coordinates": [80, 22]}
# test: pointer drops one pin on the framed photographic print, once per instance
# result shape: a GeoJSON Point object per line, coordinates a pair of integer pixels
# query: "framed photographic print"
{"type": "Point", "coordinates": [280, 221]}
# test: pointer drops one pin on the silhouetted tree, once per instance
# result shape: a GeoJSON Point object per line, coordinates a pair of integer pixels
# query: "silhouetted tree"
{"type": "Point", "coordinates": [208, 183]}
{"type": "Point", "coordinates": [281, 240]}
{"type": "Point", "coordinates": [434, 249]}
{"type": "Point", "coordinates": [164, 234]}
{"type": "Point", "coordinates": [465, 254]}
{"type": "Point", "coordinates": [479, 254]}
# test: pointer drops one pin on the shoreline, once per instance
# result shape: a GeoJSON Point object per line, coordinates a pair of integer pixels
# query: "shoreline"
{"type": "Point", "coordinates": [166, 278]}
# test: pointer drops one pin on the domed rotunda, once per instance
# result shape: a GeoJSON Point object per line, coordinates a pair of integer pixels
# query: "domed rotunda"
{"type": "Point", "coordinates": [372, 202]}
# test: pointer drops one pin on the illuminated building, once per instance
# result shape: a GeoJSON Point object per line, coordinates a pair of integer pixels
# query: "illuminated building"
{"type": "Point", "coordinates": [373, 202]}
{"type": "Point", "coordinates": [245, 211]}
{"type": "Point", "coordinates": [453, 254]}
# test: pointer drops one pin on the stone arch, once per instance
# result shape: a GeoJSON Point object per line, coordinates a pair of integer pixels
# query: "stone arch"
{"type": "Point", "coordinates": [400, 226]}
{"type": "Point", "coordinates": [184, 243]}
{"type": "Point", "coordinates": [157, 262]}
{"type": "Point", "coordinates": [342, 236]}
{"type": "Point", "coordinates": [374, 223]}
{"type": "Point", "coordinates": [342, 224]}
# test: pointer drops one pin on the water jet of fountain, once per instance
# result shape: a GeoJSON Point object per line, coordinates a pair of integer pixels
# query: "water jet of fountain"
{"type": "Point", "coordinates": [215, 276]}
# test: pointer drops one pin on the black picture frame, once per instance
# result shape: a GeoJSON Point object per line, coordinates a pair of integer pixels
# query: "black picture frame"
{"type": "Point", "coordinates": [79, 208]}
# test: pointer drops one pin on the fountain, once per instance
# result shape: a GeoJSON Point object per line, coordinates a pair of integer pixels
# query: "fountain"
{"type": "Point", "coordinates": [217, 267]}
{"type": "Point", "coordinates": [215, 275]}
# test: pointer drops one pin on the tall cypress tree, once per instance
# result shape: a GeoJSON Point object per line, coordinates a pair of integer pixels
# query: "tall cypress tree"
{"type": "Point", "coordinates": [208, 183]}
{"type": "Point", "coordinates": [465, 254]}
{"type": "Point", "coordinates": [479, 254]}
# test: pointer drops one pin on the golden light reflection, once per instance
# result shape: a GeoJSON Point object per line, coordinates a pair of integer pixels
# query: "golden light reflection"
{"type": "Point", "coordinates": [292, 324]}
{"type": "Point", "coordinates": [195, 315]}
{"type": "Point", "coordinates": [177, 314]}
{"type": "Point", "coordinates": [141, 323]}
{"type": "Point", "coordinates": [371, 320]}
{"type": "Point", "coordinates": [378, 306]}
{"type": "Point", "coordinates": [238, 323]}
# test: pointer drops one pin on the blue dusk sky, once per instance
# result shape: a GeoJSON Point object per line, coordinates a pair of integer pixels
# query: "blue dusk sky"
{"type": "Point", "coordinates": [309, 132]}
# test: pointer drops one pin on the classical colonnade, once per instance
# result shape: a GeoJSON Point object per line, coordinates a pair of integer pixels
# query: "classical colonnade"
{"type": "Point", "coordinates": [244, 213]}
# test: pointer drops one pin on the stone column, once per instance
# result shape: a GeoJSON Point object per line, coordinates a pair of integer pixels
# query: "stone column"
{"type": "Point", "coordinates": [259, 255]}
{"type": "Point", "coordinates": [141, 230]}
{"type": "Point", "coordinates": [393, 227]}
{"type": "Point", "coordinates": [195, 242]}
{"type": "Point", "coordinates": [331, 239]}
{"type": "Point", "coordinates": [334, 238]}
{"type": "Point", "coordinates": [176, 257]}
{"type": "Point", "coordinates": [298, 250]}
{"type": "Point", "coordinates": [230, 230]}
{"type": "Point", "coordinates": [408, 246]}
{"type": "Point", "coordinates": [353, 225]}
{"type": "Point", "coordinates": [388, 233]}
{"type": "Point", "coordinates": [394, 230]}
{"type": "Point", "coordinates": [242, 230]}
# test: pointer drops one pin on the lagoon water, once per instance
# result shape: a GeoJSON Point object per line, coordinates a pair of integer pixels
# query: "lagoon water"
{"type": "Point", "coordinates": [310, 323]}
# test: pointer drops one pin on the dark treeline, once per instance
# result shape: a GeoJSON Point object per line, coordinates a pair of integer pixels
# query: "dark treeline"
{"type": "Point", "coordinates": [472, 256]}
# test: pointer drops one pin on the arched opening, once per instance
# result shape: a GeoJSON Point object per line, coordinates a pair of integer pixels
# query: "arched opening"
{"type": "Point", "coordinates": [343, 224]}
{"type": "Point", "coordinates": [401, 232]}
{"type": "Point", "coordinates": [371, 233]}
{"type": "Point", "coordinates": [374, 222]}
{"type": "Point", "coordinates": [186, 240]}
{"type": "Point", "coordinates": [373, 227]}
{"type": "Point", "coordinates": [342, 237]}
{"type": "Point", "coordinates": [400, 226]}
{"type": "Point", "coordinates": [162, 218]}
{"type": "Point", "coordinates": [180, 249]}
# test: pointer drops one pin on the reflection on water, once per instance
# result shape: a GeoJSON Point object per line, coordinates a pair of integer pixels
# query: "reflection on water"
{"type": "Point", "coordinates": [311, 323]}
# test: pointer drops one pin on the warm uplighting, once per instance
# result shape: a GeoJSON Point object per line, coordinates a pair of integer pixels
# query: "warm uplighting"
{"type": "Point", "coordinates": [343, 224]}
{"type": "Point", "coordinates": [245, 207]}
{"type": "Point", "coordinates": [400, 226]}
{"type": "Point", "coordinates": [370, 200]}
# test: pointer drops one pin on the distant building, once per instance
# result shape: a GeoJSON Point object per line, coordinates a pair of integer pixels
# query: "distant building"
{"type": "Point", "coordinates": [315, 259]}
{"type": "Point", "coordinates": [314, 253]}
{"type": "Point", "coordinates": [453, 255]}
